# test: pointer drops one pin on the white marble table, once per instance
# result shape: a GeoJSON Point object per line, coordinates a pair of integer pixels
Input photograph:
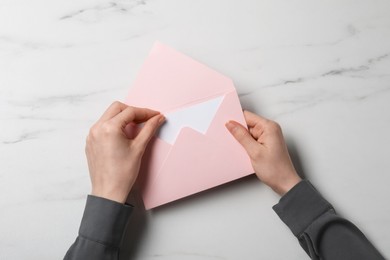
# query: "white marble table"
{"type": "Point", "coordinates": [319, 68]}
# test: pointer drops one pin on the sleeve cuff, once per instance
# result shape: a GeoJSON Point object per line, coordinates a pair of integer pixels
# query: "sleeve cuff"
{"type": "Point", "coordinates": [104, 220]}
{"type": "Point", "coordinates": [300, 206]}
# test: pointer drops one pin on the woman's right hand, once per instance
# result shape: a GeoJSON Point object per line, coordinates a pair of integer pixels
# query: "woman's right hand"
{"type": "Point", "coordinates": [267, 150]}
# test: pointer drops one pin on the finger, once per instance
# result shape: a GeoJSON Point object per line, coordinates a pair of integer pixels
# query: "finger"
{"type": "Point", "coordinates": [134, 114]}
{"type": "Point", "coordinates": [253, 119]}
{"type": "Point", "coordinates": [149, 130]}
{"type": "Point", "coordinates": [131, 130]}
{"type": "Point", "coordinates": [114, 109]}
{"type": "Point", "coordinates": [257, 131]}
{"type": "Point", "coordinates": [242, 135]}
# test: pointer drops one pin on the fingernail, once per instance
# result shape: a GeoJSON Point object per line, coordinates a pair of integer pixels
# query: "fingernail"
{"type": "Point", "coordinates": [161, 119]}
{"type": "Point", "coordinates": [230, 126]}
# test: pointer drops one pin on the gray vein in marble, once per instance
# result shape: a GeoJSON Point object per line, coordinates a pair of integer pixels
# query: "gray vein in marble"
{"type": "Point", "coordinates": [116, 6]}
{"type": "Point", "coordinates": [343, 71]}
{"type": "Point", "coordinates": [313, 101]}
{"type": "Point", "coordinates": [379, 58]}
{"type": "Point", "coordinates": [373, 93]}
{"type": "Point", "coordinates": [50, 100]}
{"type": "Point", "coordinates": [20, 45]}
{"type": "Point", "coordinates": [360, 68]}
{"type": "Point", "coordinates": [334, 72]}
{"type": "Point", "coordinates": [51, 119]}
{"type": "Point", "coordinates": [283, 83]}
{"type": "Point", "coordinates": [26, 136]}
{"type": "Point", "coordinates": [351, 31]}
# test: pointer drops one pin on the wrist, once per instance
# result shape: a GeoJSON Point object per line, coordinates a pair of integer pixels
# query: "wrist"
{"type": "Point", "coordinates": [116, 196]}
{"type": "Point", "coordinates": [286, 185]}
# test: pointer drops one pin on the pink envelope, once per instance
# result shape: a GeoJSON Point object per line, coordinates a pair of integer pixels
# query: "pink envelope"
{"type": "Point", "coordinates": [193, 151]}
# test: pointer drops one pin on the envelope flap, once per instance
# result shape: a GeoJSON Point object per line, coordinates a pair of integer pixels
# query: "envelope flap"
{"type": "Point", "coordinates": [169, 79]}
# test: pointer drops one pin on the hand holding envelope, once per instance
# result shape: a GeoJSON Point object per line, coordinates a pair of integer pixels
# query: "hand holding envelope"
{"type": "Point", "coordinates": [193, 151]}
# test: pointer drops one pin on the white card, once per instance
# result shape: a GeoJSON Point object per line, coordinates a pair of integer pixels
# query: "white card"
{"type": "Point", "coordinates": [197, 117]}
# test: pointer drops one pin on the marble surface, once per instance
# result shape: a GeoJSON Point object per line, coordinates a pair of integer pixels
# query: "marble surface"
{"type": "Point", "coordinates": [319, 68]}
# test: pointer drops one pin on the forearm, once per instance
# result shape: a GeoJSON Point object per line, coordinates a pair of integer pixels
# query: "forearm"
{"type": "Point", "coordinates": [322, 233]}
{"type": "Point", "coordinates": [101, 230]}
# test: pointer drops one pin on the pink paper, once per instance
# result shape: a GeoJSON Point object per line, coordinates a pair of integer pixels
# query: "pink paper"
{"type": "Point", "coordinates": [168, 82]}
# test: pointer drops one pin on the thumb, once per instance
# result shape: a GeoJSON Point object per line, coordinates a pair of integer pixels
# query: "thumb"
{"type": "Point", "coordinates": [242, 135]}
{"type": "Point", "coordinates": [148, 130]}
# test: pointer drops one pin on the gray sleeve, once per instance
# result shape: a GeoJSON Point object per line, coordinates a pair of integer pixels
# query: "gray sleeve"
{"type": "Point", "coordinates": [101, 230]}
{"type": "Point", "coordinates": [320, 231]}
